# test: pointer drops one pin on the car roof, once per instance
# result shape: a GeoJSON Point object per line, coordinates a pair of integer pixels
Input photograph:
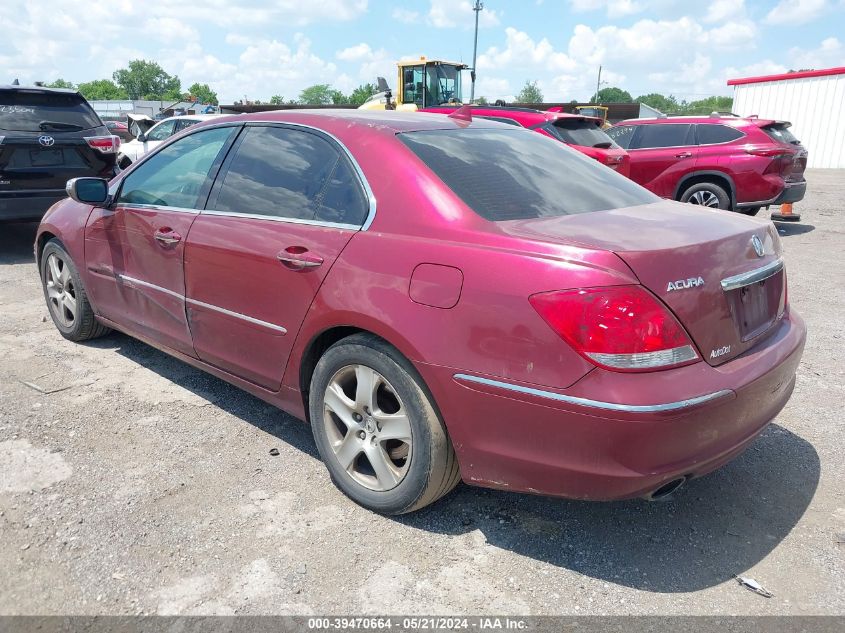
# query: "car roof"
{"type": "Point", "coordinates": [385, 121]}
{"type": "Point", "coordinates": [733, 121]}
{"type": "Point", "coordinates": [43, 89]}
{"type": "Point", "coordinates": [520, 113]}
{"type": "Point", "coordinates": [194, 117]}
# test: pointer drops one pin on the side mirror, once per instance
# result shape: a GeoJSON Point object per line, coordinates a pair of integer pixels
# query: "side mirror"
{"type": "Point", "coordinates": [88, 190]}
{"type": "Point", "coordinates": [142, 137]}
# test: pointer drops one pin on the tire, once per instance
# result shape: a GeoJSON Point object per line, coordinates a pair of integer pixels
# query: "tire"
{"type": "Point", "coordinates": [707, 194]}
{"type": "Point", "coordinates": [750, 210]}
{"type": "Point", "coordinates": [354, 430]}
{"type": "Point", "coordinates": [65, 295]}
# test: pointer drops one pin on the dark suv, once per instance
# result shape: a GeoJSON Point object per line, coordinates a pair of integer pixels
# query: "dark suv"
{"type": "Point", "coordinates": [47, 137]}
{"type": "Point", "coordinates": [719, 161]}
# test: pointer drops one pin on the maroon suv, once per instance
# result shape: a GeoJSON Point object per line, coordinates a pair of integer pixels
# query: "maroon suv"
{"type": "Point", "coordinates": [717, 161]}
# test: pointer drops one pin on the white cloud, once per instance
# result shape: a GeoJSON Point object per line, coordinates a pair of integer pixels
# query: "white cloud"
{"type": "Point", "coordinates": [371, 63]}
{"type": "Point", "coordinates": [522, 52]}
{"type": "Point", "coordinates": [445, 14]}
{"type": "Point", "coordinates": [613, 8]}
{"type": "Point", "coordinates": [794, 12]}
{"type": "Point", "coordinates": [721, 10]}
{"type": "Point", "coordinates": [406, 15]}
{"type": "Point", "coordinates": [733, 35]}
{"type": "Point", "coordinates": [830, 53]}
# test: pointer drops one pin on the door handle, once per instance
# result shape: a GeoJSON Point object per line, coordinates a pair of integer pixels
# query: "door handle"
{"type": "Point", "coordinates": [299, 258]}
{"type": "Point", "coordinates": [168, 237]}
{"type": "Point", "coordinates": [684, 155]}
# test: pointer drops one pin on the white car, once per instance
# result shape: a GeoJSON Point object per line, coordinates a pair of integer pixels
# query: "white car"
{"type": "Point", "coordinates": [149, 134]}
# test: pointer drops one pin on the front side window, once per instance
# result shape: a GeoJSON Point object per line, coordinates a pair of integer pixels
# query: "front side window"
{"type": "Point", "coordinates": [442, 84]}
{"type": "Point", "coordinates": [287, 173]}
{"type": "Point", "coordinates": [184, 124]}
{"type": "Point", "coordinates": [622, 135]}
{"type": "Point", "coordinates": [508, 174]}
{"type": "Point", "coordinates": [162, 131]}
{"type": "Point", "coordinates": [711, 134]}
{"type": "Point", "coordinates": [663, 135]}
{"type": "Point", "coordinates": [175, 175]}
{"type": "Point", "coordinates": [413, 85]}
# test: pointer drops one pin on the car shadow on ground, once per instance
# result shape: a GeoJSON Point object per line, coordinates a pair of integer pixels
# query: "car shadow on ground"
{"type": "Point", "coordinates": [16, 241]}
{"type": "Point", "coordinates": [787, 229]}
{"type": "Point", "coordinates": [713, 528]}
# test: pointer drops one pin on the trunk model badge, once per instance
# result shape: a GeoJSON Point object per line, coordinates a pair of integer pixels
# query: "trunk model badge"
{"type": "Point", "coordinates": [758, 246]}
{"type": "Point", "coordinates": [46, 141]}
{"type": "Point", "coordinates": [684, 284]}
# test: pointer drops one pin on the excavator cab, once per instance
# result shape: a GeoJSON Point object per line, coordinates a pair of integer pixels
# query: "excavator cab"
{"type": "Point", "coordinates": [597, 111]}
{"type": "Point", "coordinates": [420, 83]}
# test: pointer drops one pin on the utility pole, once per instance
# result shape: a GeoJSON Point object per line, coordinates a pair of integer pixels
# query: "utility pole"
{"type": "Point", "coordinates": [479, 6]}
{"type": "Point", "coordinates": [598, 87]}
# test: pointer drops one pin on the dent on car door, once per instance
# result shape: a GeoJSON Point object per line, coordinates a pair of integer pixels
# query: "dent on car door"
{"type": "Point", "coordinates": [134, 248]}
{"type": "Point", "coordinates": [286, 203]}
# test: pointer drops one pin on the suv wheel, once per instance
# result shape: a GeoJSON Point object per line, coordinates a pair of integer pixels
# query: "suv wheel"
{"type": "Point", "coordinates": [707, 194]}
{"type": "Point", "coordinates": [377, 430]}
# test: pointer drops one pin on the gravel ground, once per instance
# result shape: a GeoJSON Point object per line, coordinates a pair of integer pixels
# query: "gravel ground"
{"type": "Point", "coordinates": [132, 483]}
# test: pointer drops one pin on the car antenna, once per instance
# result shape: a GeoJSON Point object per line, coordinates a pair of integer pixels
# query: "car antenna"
{"type": "Point", "coordinates": [464, 113]}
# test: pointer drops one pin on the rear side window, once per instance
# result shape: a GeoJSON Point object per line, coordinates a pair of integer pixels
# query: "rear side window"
{"type": "Point", "coordinates": [34, 111]}
{"type": "Point", "coordinates": [781, 134]}
{"type": "Point", "coordinates": [663, 135]}
{"type": "Point", "coordinates": [581, 132]}
{"type": "Point", "coordinates": [514, 174]}
{"type": "Point", "coordinates": [176, 175]}
{"type": "Point", "coordinates": [162, 131]}
{"type": "Point", "coordinates": [501, 119]}
{"type": "Point", "coordinates": [714, 134]}
{"type": "Point", "coordinates": [286, 173]}
{"type": "Point", "coordinates": [622, 135]}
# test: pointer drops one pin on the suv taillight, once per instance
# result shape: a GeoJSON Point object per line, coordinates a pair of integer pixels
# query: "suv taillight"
{"type": "Point", "coordinates": [104, 144]}
{"type": "Point", "coordinates": [623, 328]}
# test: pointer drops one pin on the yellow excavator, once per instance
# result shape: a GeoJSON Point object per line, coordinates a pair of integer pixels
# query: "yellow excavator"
{"type": "Point", "coordinates": [421, 83]}
{"type": "Point", "coordinates": [600, 112]}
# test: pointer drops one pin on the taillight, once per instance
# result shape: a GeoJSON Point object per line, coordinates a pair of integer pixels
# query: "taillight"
{"type": "Point", "coordinates": [104, 144]}
{"type": "Point", "coordinates": [623, 328]}
{"type": "Point", "coordinates": [612, 160]}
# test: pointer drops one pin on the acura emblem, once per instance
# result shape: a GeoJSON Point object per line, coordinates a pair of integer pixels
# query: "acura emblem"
{"type": "Point", "coordinates": [46, 141]}
{"type": "Point", "coordinates": [758, 246]}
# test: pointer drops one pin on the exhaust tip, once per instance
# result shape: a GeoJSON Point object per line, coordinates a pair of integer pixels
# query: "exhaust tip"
{"type": "Point", "coordinates": [667, 490]}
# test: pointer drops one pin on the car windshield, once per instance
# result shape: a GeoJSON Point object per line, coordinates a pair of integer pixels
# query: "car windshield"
{"type": "Point", "coordinates": [37, 111]}
{"type": "Point", "coordinates": [583, 132]}
{"type": "Point", "coordinates": [514, 174]}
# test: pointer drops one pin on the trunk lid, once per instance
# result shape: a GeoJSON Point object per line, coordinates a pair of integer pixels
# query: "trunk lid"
{"type": "Point", "coordinates": [701, 263]}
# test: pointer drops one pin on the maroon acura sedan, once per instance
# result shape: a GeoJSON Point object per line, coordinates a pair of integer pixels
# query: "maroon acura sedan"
{"type": "Point", "coordinates": [442, 299]}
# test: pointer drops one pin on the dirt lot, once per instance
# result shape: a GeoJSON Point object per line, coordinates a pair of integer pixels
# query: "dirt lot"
{"type": "Point", "coordinates": [131, 483]}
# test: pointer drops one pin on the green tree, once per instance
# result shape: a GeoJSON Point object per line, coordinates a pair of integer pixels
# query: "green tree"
{"type": "Point", "coordinates": [338, 98]}
{"type": "Point", "coordinates": [319, 94]}
{"type": "Point", "coordinates": [203, 93]}
{"type": "Point", "coordinates": [362, 93]}
{"type": "Point", "coordinates": [277, 100]}
{"type": "Point", "coordinates": [482, 101]}
{"type": "Point", "coordinates": [60, 83]}
{"type": "Point", "coordinates": [530, 93]}
{"type": "Point", "coordinates": [708, 105]}
{"type": "Point", "coordinates": [612, 94]}
{"type": "Point", "coordinates": [147, 80]}
{"type": "Point", "coordinates": [101, 90]}
{"type": "Point", "coordinates": [666, 105]}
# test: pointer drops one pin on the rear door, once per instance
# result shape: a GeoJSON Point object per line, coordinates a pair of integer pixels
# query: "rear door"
{"type": "Point", "coordinates": [714, 146]}
{"type": "Point", "coordinates": [661, 153]}
{"type": "Point", "coordinates": [286, 203]}
{"type": "Point", "coordinates": [43, 140]}
{"type": "Point", "coordinates": [134, 249]}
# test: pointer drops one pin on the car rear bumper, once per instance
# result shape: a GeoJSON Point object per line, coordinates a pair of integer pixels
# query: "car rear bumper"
{"type": "Point", "coordinates": [28, 205]}
{"type": "Point", "coordinates": [792, 192]}
{"type": "Point", "coordinates": [605, 438]}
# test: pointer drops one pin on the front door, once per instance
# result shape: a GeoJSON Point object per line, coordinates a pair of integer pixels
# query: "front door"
{"type": "Point", "coordinates": [134, 249]}
{"type": "Point", "coordinates": [661, 153]}
{"type": "Point", "coordinates": [286, 203]}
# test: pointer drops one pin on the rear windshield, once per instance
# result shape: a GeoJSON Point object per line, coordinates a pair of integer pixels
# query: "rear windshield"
{"type": "Point", "coordinates": [24, 111]}
{"type": "Point", "coordinates": [516, 174]}
{"type": "Point", "coordinates": [580, 132]}
{"type": "Point", "coordinates": [781, 134]}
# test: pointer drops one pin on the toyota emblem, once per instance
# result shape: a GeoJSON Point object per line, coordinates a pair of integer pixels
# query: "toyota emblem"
{"type": "Point", "coordinates": [758, 246]}
{"type": "Point", "coordinates": [46, 141]}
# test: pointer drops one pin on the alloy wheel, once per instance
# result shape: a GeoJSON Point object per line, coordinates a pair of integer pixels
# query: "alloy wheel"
{"type": "Point", "coordinates": [61, 291]}
{"type": "Point", "coordinates": [704, 198]}
{"type": "Point", "coordinates": [367, 427]}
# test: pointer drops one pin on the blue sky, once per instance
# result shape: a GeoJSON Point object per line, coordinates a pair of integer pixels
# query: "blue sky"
{"type": "Point", "coordinates": [258, 48]}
